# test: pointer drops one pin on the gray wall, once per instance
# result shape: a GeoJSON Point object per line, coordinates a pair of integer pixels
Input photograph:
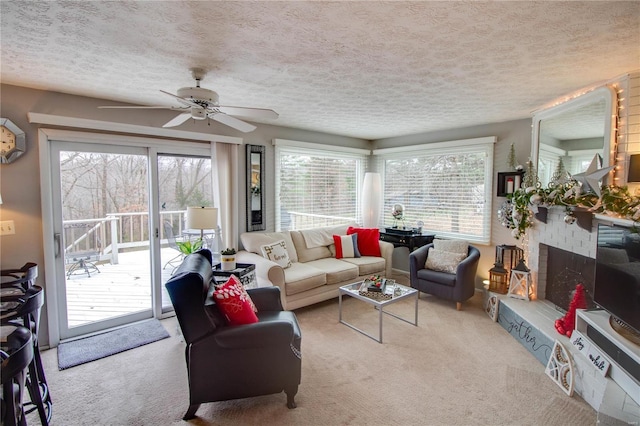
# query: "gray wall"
{"type": "Point", "coordinates": [517, 133]}
{"type": "Point", "coordinates": [20, 181]}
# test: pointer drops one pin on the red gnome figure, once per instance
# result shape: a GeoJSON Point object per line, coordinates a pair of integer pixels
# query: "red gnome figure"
{"type": "Point", "coordinates": [566, 324]}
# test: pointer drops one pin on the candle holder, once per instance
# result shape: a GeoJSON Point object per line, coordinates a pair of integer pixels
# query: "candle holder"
{"type": "Point", "coordinates": [498, 281]}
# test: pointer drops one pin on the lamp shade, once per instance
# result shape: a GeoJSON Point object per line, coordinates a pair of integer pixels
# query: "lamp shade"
{"type": "Point", "coordinates": [371, 199]}
{"type": "Point", "coordinates": [202, 217]}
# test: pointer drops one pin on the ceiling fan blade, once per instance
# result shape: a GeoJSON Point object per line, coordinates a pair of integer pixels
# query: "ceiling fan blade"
{"type": "Point", "coordinates": [178, 119]}
{"type": "Point", "coordinates": [183, 101]}
{"type": "Point", "coordinates": [249, 112]}
{"type": "Point", "coordinates": [133, 107]}
{"type": "Point", "coordinates": [233, 122]}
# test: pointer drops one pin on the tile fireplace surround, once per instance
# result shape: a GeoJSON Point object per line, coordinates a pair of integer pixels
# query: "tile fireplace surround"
{"type": "Point", "coordinates": [532, 323]}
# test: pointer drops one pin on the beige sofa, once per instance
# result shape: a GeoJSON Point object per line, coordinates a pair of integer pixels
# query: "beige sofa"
{"type": "Point", "coordinates": [315, 274]}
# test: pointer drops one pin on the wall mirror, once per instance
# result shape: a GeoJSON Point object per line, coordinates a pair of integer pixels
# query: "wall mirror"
{"type": "Point", "coordinates": [574, 132]}
{"type": "Point", "coordinates": [255, 188]}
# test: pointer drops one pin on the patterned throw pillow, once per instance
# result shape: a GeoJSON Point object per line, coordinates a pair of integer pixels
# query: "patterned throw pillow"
{"type": "Point", "coordinates": [368, 240]}
{"type": "Point", "coordinates": [452, 246]}
{"type": "Point", "coordinates": [444, 261]}
{"type": "Point", "coordinates": [234, 302]}
{"type": "Point", "coordinates": [346, 246]}
{"type": "Point", "coordinates": [277, 252]}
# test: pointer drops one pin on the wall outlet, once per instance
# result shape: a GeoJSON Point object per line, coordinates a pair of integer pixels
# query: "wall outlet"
{"type": "Point", "coordinates": [7, 227]}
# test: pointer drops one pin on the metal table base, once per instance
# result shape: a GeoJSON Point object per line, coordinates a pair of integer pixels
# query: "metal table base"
{"type": "Point", "coordinates": [379, 305]}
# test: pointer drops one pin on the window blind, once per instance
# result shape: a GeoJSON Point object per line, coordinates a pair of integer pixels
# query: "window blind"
{"type": "Point", "coordinates": [549, 158]}
{"type": "Point", "coordinates": [447, 190]}
{"type": "Point", "coordinates": [317, 187]}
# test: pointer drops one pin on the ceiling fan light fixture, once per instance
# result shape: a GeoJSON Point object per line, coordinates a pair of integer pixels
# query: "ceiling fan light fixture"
{"type": "Point", "coordinates": [198, 94]}
{"type": "Point", "coordinates": [199, 103]}
{"type": "Point", "coordinates": [198, 113]}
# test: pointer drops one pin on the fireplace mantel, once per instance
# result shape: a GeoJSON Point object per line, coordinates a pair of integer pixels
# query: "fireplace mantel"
{"type": "Point", "coordinates": [531, 323]}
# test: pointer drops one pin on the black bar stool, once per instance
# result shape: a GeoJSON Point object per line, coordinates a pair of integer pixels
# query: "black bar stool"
{"type": "Point", "coordinates": [27, 314]}
{"type": "Point", "coordinates": [17, 355]}
{"type": "Point", "coordinates": [22, 278]}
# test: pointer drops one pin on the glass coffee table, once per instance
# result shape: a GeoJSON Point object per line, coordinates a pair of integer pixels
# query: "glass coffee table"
{"type": "Point", "coordinates": [394, 293]}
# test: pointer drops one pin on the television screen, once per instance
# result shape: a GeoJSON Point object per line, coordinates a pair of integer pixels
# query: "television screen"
{"type": "Point", "coordinates": [617, 280]}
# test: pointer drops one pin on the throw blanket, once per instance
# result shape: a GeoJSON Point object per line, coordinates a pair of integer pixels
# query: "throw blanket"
{"type": "Point", "coordinates": [317, 237]}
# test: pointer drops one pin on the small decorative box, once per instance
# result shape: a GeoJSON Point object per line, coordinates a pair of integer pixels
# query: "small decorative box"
{"type": "Point", "coordinates": [246, 272]}
{"type": "Point", "coordinates": [379, 293]}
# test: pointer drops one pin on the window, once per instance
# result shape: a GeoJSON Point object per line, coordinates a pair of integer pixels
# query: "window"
{"type": "Point", "coordinates": [446, 187]}
{"type": "Point", "coordinates": [317, 185]}
{"type": "Point", "coordinates": [579, 161]}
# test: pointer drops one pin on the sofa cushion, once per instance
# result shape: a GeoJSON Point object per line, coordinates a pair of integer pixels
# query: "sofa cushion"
{"type": "Point", "coordinates": [345, 246]}
{"type": "Point", "coordinates": [316, 237]}
{"type": "Point", "coordinates": [368, 240]}
{"type": "Point", "coordinates": [444, 261]}
{"type": "Point", "coordinates": [308, 254]}
{"type": "Point", "coordinates": [368, 265]}
{"type": "Point", "coordinates": [336, 270]}
{"type": "Point", "coordinates": [253, 241]}
{"type": "Point", "coordinates": [302, 277]}
{"type": "Point", "coordinates": [437, 277]}
{"type": "Point", "coordinates": [452, 246]}
{"type": "Point", "coordinates": [277, 252]}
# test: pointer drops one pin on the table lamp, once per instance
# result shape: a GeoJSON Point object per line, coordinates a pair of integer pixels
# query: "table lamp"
{"type": "Point", "coordinates": [202, 218]}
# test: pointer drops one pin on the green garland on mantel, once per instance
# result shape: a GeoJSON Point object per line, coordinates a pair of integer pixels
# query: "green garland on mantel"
{"type": "Point", "coordinates": [518, 211]}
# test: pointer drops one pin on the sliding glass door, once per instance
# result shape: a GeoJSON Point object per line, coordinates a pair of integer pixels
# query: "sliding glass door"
{"type": "Point", "coordinates": [103, 243]}
{"type": "Point", "coordinates": [183, 181]}
{"type": "Point", "coordinates": [118, 219]}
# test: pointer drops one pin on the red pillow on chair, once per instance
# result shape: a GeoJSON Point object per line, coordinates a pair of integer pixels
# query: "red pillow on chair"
{"type": "Point", "coordinates": [368, 240]}
{"type": "Point", "coordinates": [234, 302]}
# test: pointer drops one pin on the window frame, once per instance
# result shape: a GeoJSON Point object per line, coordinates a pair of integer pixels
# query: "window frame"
{"type": "Point", "coordinates": [288, 147]}
{"type": "Point", "coordinates": [483, 145]}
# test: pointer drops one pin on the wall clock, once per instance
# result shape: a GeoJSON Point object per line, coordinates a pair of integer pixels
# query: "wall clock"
{"type": "Point", "coordinates": [13, 141]}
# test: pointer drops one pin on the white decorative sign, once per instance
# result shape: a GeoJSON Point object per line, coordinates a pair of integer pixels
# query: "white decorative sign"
{"type": "Point", "coordinates": [560, 368]}
{"type": "Point", "coordinates": [491, 307]}
{"type": "Point", "coordinates": [591, 352]}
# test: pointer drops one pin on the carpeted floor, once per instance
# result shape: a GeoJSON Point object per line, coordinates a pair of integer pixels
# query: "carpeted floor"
{"type": "Point", "coordinates": [455, 368]}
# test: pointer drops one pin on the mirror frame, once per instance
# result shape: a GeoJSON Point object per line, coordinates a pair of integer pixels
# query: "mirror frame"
{"type": "Point", "coordinates": [605, 93]}
{"type": "Point", "coordinates": [255, 218]}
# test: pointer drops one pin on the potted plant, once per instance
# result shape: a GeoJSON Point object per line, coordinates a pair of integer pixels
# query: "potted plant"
{"type": "Point", "coordinates": [188, 247]}
{"type": "Point", "coordinates": [228, 259]}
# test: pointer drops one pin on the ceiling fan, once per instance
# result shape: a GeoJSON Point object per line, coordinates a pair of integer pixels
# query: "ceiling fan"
{"type": "Point", "coordinates": [199, 103]}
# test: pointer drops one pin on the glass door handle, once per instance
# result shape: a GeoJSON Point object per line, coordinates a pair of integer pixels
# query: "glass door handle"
{"type": "Point", "coordinates": [57, 244]}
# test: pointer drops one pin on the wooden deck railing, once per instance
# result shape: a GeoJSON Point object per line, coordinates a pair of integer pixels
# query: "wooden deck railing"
{"type": "Point", "coordinates": [103, 238]}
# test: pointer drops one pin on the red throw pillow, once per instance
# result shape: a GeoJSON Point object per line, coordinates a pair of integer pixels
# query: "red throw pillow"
{"type": "Point", "coordinates": [368, 240]}
{"type": "Point", "coordinates": [234, 302]}
{"type": "Point", "coordinates": [346, 246]}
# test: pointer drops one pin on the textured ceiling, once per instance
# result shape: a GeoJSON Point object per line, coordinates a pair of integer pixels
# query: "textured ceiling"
{"type": "Point", "coordinates": [364, 69]}
{"type": "Point", "coordinates": [584, 122]}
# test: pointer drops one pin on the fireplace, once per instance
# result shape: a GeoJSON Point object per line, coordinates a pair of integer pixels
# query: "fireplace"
{"type": "Point", "coordinates": [559, 271]}
{"type": "Point", "coordinates": [560, 256]}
